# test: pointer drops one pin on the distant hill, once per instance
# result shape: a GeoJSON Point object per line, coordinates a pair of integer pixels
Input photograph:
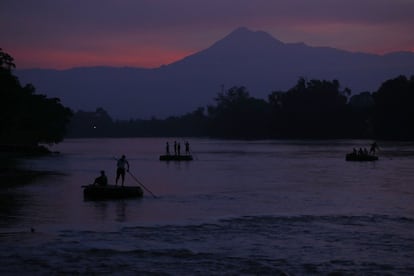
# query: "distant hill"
{"type": "Point", "coordinates": [243, 58]}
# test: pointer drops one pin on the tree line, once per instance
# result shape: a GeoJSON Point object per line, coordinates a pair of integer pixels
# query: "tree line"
{"type": "Point", "coordinates": [311, 109]}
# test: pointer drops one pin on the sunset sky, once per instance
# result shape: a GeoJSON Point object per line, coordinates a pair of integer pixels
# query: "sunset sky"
{"type": "Point", "coordinates": [148, 33]}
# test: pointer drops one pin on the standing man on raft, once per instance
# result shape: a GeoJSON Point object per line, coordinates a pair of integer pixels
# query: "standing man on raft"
{"type": "Point", "coordinates": [121, 165]}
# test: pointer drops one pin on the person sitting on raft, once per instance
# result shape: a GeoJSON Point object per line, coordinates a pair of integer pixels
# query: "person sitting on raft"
{"type": "Point", "coordinates": [101, 180]}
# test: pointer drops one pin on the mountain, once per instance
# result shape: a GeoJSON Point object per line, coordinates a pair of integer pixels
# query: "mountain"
{"type": "Point", "coordinates": [253, 59]}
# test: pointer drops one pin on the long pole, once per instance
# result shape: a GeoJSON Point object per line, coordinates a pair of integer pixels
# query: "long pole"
{"type": "Point", "coordinates": [139, 182]}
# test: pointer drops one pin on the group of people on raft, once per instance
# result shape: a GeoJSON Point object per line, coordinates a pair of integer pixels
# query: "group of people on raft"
{"type": "Point", "coordinates": [177, 148]}
{"type": "Point", "coordinates": [122, 166]}
{"type": "Point", "coordinates": [364, 152]}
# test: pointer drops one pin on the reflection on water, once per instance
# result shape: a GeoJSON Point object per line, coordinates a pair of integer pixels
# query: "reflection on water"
{"type": "Point", "coordinates": [103, 210]}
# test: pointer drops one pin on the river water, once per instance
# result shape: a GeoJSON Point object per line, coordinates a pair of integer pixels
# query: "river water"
{"type": "Point", "coordinates": [240, 208]}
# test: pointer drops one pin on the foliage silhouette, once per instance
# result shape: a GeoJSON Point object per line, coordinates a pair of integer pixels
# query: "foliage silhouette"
{"type": "Point", "coordinates": [237, 115]}
{"type": "Point", "coordinates": [314, 109]}
{"type": "Point", "coordinates": [310, 109]}
{"type": "Point", "coordinates": [394, 109]}
{"type": "Point", "coordinates": [27, 118]}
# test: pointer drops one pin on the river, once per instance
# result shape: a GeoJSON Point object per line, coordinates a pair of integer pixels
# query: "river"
{"type": "Point", "coordinates": [240, 208]}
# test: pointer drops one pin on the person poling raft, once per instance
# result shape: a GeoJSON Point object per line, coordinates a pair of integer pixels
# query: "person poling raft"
{"type": "Point", "coordinates": [101, 190]}
{"type": "Point", "coordinates": [123, 164]}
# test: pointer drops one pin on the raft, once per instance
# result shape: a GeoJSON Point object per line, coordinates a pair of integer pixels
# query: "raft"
{"type": "Point", "coordinates": [176, 157]}
{"type": "Point", "coordinates": [358, 157]}
{"type": "Point", "coordinates": [96, 192]}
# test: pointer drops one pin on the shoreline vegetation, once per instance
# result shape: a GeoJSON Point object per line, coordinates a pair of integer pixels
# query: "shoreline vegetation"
{"type": "Point", "coordinates": [314, 109]}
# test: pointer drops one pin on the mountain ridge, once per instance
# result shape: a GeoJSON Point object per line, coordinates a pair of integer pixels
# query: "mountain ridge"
{"type": "Point", "coordinates": [253, 59]}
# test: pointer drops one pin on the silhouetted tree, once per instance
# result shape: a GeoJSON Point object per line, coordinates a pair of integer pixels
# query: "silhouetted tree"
{"type": "Point", "coordinates": [394, 109]}
{"type": "Point", "coordinates": [310, 109]}
{"type": "Point", "coordinates": [91, 124]}
{"type": "Point", "coordinates": [6, 61]}
{"type": "Point", "coordinates": [361, 108]}
{"type": "Point", "coordinates": [237, 115]}
{"type": "Point", "coordinates": [25, 117]}
{"type": "Point", "coordinates": [100, 124]}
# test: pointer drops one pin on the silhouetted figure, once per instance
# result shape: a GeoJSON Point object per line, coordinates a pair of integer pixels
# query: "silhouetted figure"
{"type": "Point", "coordinates": [187, 148]}
{"type": "Point", "coordinates": [354, 152]}
{"type": "Point", "coordinates": [122, 165]}
{"type": "Point", "coordinates": [374, 148]}
{"type": "Point", "coordinates": [101, 180]}
{"type": "Point", "coordinates": [178, 149]}
{"type": "Point", "coordinates": [167, 148]}
{"type": "Point", "coordinates": [360, 152]}
{"type": "Point", "coordinates": [175, 147]}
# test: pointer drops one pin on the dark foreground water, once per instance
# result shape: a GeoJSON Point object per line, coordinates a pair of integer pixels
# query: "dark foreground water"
{"type": "Point", "coordinates": [240, 208]}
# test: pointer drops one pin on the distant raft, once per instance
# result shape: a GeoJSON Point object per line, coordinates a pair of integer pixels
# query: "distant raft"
{"type": "Point", "coordinates": [360, 157]}
{"type": "Point", "coordinates": [176, 157]}
{"type": "Point", "coordinates": [97, 192]}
